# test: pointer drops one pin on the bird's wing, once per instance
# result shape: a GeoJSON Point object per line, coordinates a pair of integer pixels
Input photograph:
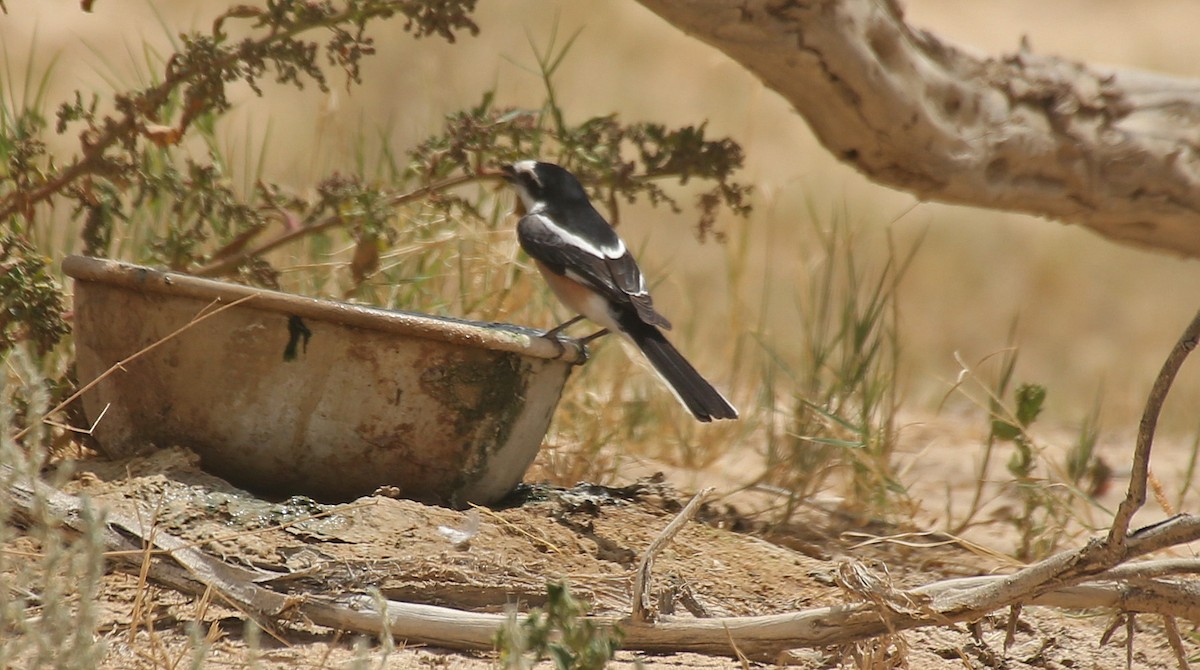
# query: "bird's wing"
{"type": "Point", "coordinates": [609, 270]}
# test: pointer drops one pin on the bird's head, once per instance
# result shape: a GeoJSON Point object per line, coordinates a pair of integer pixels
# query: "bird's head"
{"type": "Point", "coordinates": [538, 182]}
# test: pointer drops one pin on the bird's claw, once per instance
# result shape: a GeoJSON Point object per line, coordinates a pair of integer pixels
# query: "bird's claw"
{"type": "Point", "coordinates": [559, 344]}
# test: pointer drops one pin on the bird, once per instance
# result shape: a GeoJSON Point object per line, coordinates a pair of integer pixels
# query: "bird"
{"type": "Point", "coordinates": [589, 268]}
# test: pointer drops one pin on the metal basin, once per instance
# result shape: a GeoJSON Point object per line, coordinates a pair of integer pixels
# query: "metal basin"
{"type": "Point", "coordinates": [448, 411]}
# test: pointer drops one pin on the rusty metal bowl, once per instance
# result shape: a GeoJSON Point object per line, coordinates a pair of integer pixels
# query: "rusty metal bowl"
{"type": "Point", "coordinates": [447, 411]}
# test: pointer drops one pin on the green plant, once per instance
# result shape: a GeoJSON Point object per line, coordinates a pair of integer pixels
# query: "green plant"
{"type": "Point", "coordinates": [1039, 514]}
{"type": "Point", "coordinates": [31, 304]}
{"type": "Point", "coordinates": [558, 632]}
{"type": "Point", "coordinates": [415, 229]}
{"type": "Point", "coordinates": [1051, 495]}
{"type": "Point", "coordinates": [995, 392]}
{"type": "Point", "coordinates": [844, 396]}
{"type": "Point", "coordinates": [1084, 469]}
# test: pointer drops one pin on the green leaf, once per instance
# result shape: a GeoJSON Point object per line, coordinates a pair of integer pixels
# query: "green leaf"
{"type": "Point", "coordinates": [563, 658]}
{"type": "Point", "coordinates": [1030, 398]}
{"type": "Point", "coordinates": [1003, 430]}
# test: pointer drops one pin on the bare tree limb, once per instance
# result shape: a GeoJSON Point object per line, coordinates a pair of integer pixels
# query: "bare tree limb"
{"type": "Point", "coordinates": [1113, 150]}
{"type": "Point", "coordinates": [1085, 575]}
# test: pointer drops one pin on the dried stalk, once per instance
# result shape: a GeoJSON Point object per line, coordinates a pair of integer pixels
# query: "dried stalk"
{"type": "Point", "coordinates": [1091, 576]}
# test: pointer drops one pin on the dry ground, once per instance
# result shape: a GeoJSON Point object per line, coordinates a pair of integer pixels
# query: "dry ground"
{"type": "Point", "coordinates": [590, 536]}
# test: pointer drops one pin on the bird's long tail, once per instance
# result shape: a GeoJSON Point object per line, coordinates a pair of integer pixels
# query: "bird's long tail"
{"type": "Point", "coordinates": [693, 390]}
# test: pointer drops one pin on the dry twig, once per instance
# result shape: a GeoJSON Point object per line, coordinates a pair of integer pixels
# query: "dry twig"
{"type": "Point", "coordinates": [1091, 576]}
{"type": "Point", "coordinates": [1175, 641]}
{"type": "Point", "coordinates": [641, 580]}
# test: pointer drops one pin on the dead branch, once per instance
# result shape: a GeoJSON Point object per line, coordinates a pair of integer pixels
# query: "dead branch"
{"type": "Point", "coordinates": [1111, 149]}
{"type": "Point", "coordinates": [1135, 496]}
{"type": "Point", "coordinates": [1090, 576]}
{"type": "Point", "coordinates": [1176, 642]}
{"type": "Point", "coordinates": [641, 580]}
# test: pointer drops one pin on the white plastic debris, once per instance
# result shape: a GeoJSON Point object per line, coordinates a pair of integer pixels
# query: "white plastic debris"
{"type": "Point", "coordinates": [461, 537]}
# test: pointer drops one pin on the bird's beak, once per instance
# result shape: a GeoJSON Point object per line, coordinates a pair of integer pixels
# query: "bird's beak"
{"type": "Point", "coordinates": [510, 175]}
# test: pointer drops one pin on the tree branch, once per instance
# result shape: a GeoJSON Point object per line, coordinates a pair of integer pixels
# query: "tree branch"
{"type": "Point", "coordinates": [1113, 150]}
{"type": "Point", "coordinates": [226, 263]}
{"type": "Point", "coordinates": [1135, 496]}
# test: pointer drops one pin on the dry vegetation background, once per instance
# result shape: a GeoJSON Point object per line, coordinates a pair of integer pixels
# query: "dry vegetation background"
{"type": "Point", "coordinates": [1093, 316]}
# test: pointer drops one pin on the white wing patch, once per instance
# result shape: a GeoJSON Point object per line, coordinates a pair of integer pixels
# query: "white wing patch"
{"type": "Point", "coordinates": [600, 251]}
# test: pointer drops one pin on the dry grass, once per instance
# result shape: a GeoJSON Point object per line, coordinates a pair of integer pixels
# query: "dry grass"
{"type": "Point", "coordinates": [49, 581]}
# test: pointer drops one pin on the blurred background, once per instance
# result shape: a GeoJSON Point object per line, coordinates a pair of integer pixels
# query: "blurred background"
{"type": "Point", "coordinates": [1093, 318]}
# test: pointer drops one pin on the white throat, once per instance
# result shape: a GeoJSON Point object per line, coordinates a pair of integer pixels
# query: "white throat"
{"type": "Point", "coordinates": [527, 200]}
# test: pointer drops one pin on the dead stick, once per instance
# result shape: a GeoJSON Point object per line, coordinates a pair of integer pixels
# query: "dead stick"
{"type": "Point", "coordinates": [1130, 628]}
{"type": "Point", "coordinates": [1135, 496]}
{"type": "Point", "coordinates": [1010, 631]}
{"type": "Point", "coordinates": [1176, 642]}
{"type": "Point", "coordinates": [1098, 556]}
{"type": "Point", "coordinates": [641, 580]}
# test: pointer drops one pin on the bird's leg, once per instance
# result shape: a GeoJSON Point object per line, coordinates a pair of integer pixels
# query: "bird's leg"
{"type": "Point", "coordinates": [594, 336]}
{"type": "Point", "coordinates": [553, 332]}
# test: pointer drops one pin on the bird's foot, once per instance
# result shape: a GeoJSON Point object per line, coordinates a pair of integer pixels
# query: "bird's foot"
{"type": "Point", "coordinates": [554, 335]}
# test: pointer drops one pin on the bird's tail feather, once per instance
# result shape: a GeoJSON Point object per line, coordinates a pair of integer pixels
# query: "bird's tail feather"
{"type": "Point", "coordinates": [692, 390]}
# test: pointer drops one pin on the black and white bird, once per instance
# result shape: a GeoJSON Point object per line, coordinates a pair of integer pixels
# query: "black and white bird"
{"type": "Point", "coordinates": [592, 272]}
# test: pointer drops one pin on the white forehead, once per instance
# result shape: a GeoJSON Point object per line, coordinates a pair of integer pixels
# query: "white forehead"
{"type": "Point", "coordinates": [528, 167]}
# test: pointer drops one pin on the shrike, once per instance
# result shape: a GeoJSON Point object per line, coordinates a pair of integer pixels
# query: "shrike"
{"type": "Point", "coordinates": [592, 272]}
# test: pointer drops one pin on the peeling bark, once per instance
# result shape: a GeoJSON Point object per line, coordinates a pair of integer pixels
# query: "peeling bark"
{"type": "Point", "coordinates": [1111, 149]}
